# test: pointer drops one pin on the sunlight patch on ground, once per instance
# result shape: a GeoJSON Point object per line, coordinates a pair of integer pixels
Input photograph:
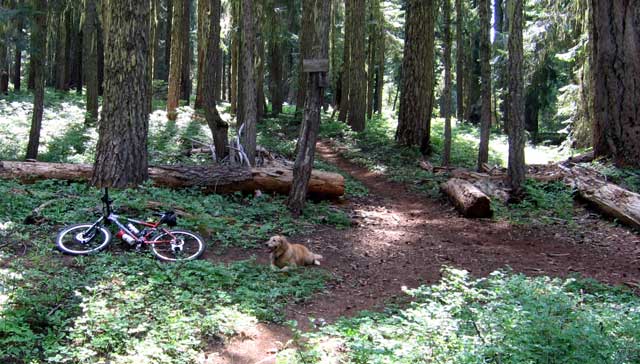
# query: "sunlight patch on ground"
{"type": "Point", "coordinates": [534, 154]}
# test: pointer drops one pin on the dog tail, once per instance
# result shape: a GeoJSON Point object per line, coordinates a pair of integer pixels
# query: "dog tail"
{"type": "Point", "coordinates": [317, 258]}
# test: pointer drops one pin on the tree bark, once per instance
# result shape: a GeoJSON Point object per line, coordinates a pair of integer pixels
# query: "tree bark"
{"type": "Point", "coordinates": [187, 53]}
{"type": "Point", "coordinates": [121, 154]}
{"type": "Point", "coordinates": [17, 64]}
{"type": "Point", "coordinates": [306, 39]}
{"type": "Point", "coordinates": [346, 63]}
{"type": "Point", "coordinates": [616, 80]}
{"type": "Point", "coordinates": [167, 43]}
{"type": "Point", "coordinates": [175, 68]}
{"type": "Point", "coordinates": [38, 54]}
{"type": "Point", "coordinates": [211, 179]}
{"type": "Point", "coordinates": [381, 61]}
{"type": "Point", "coordinates": [467, 198]}
{"type": "Point", "coordinates": [276, 61]}
{"type": "Point", "coordinates": [485, 74]}
{"type": "Point", "coordinates": [516, 170]}
{"type": "Point", "coordinates": [416, 97]}
{"type": "Point", "coordinates": [60, 60]}
{"type": "Point", "coordinates": [219, 128]}
{"type": "Point", "coordinates": [90, 39]}
{"type": "Point", "coordinates": [358, 82]}
{"type": "Point", "coordinates": [153, 54]}
{"type": "Point", "coordinates": [446, 93]}
{"type": "Point", "coordinates": [612, 200]}
{"type": "Point", "coordinates": [306, 147]}
{"type": "Point", "coordinates": [459, 60]}
{"type": "Point", "coordinates": [260, 59]}
{"type": "Point", "coordinates": [235, 53]}
{"type": "Point", "coordinates": [202, 39]}
{"type": "Point", "coordinates": [248, 111]}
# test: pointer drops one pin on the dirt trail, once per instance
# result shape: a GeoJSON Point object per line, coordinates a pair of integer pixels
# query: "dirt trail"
{"type": "Point", "coordinates": [403, 239]}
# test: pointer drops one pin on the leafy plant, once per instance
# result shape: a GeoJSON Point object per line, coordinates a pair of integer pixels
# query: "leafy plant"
{"type": "Point", "coordinates": [128, 307]}
{"type": "Point", "coordinates": [504, 318]}
{"type": "Point", "coordinates": [544, 203]}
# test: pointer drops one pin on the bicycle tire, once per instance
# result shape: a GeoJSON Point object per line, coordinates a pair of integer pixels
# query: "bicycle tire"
{"type": "Point", "coordinates": [69, 239]}
{"type": "Point", "coordinates": [192, 243]}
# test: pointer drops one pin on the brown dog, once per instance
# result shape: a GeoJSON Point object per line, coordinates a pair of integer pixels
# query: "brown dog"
{"type": "Point", "coordinates": [285, 254]}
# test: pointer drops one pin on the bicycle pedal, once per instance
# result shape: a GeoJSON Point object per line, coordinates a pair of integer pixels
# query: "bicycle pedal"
{"type": "Point", "coordinates": [138, 247]}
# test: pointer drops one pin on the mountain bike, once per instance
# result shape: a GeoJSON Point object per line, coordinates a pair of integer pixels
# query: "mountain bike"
{"type": "Point", "coordinates": [169, 245]}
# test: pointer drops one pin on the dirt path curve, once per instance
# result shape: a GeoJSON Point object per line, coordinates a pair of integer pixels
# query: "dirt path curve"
{"type": "Point", "coordinates": [403, 239]}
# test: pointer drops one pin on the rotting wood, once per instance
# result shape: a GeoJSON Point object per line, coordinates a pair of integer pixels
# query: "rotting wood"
{"type": "Point", "coordinates": [212, 179]}
{"type": "Point", "coordinates": [467, 198]}
{"type": "Point", "coordinates": [611, 200]}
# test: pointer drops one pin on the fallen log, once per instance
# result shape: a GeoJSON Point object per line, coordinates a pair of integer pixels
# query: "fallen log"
{"type": "Point", "coordinates": [467, 198]}
{"type": "Point", "coordinates": [611, 200]}
{"type": "Point", "coordinates": [212, 179]}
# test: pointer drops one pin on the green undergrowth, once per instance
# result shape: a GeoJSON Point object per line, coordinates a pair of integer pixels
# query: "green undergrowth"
{"type": "Point", "coordinates": [129, 308]}
{"type": "Point", "coordinates": [543, 204]}
{"type": "Point", "coordinates": [375, 148]}
{"type": "Point", "coordinates": [626, 177]}
{"type": "Point", "coordinates": [224, 220]}
{"type": "Point", "coordinates": [504, 318]}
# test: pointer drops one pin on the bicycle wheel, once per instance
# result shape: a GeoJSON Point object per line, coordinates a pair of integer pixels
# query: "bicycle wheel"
{"type": "Point", "coordinates": [178, 245]}
{"type": "Point", "coordinates": [80, 239]}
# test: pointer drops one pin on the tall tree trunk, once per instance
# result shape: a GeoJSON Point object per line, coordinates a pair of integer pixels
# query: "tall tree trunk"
{"type": "Point", "coordinates": [90, 39]}
{"type": "Point", "coordinates": [313, 103]}
{"type": "Point", "coordinates": [346, 63]}
{"type": "Point", "coordinates": [68, 48]}
{"type": "Point", "coordinates": [225, 76]}
{"type": "Point", "coordinates": [203, 8]}
{"type": "Point", "coordinates": [78, 66]}
{"type": "Point", "coordinates": [168, 37]}
{"type": "Point", "coordinates": [247, 115]}
{"type": "Point", "coordinates": [616, 80]}
{"type": "Point", "coordinates": [219, 128]}
{"type": "Point", "coordinates": [121, 153]}
{"type": "Point", "coordinates": [333, 52]}
{"type": "Point", "coordinates": [100, 58]}
{"type": "Point", "coordinates": [516, 97]}
{"type": "Point", "coordinates": [276, 61]}
{"type": "Point", "coordinates": [259, 62]}
{"type": "Point", "coordinates": [260, 97]}
{"type": "Point", "coordinates": [38, 54]}
{"type": "Point", "coordinates": [175, 69]}
{"type": "Point", "coordinates": [460, 60]}
{"type": "Point", "coordinates": [446, 93]}
{"type": "Point", "coordinates": [358, 87]}
{"type": "Point", "coordinates": [60, 51]}
{"type": "Point", "coordinates": [372, 59]}
{"type": "Point", "coordinates": [485, 74]}
{"type": "Point", "coordinates": [4, 40]}
{"type": "Point", "coordinates": [153, 50]}
{"type": "Point", "coordinates": [17, 64]}
{"type": "Point", "coordinates": [416, 97]}
{"type": "Point", "coordinates": [219, 76]}
{"type": "Point", "coordinates": [306, 37]}
{"type": "Point", "coordinates": [187, 53]}
{"type": "Point", "coordinates": [381, 61]}
{"type": "Point", "coordinates": [235, 53]}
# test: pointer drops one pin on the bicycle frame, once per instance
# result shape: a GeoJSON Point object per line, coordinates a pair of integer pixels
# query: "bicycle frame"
{"type": "Point", "coordinates": [109, 217]}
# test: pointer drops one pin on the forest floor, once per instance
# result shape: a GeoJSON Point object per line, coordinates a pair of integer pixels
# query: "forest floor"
{"type": "Point", "coordinates": [403, 239]}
